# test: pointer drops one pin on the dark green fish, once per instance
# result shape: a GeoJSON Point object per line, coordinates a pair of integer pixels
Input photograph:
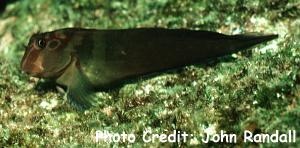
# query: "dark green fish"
{"type": "Point", "coordinates": [89, 60]}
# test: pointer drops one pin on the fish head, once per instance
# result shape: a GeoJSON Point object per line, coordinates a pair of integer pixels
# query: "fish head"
{"type": "Point", "coordinates": [46, 55]}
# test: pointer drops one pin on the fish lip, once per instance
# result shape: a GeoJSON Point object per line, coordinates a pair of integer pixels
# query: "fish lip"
{"type": "Point", "coordinates": [37, 75]}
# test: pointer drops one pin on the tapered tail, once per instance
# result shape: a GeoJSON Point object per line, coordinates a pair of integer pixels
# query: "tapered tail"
{"type": "Point", "coordinates": [245, 41]}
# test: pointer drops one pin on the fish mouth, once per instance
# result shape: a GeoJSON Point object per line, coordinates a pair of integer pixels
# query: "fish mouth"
{"type": "Point", "coordinates": [32, 69]}
{"type": "Point", "coordinates": [35, 69]}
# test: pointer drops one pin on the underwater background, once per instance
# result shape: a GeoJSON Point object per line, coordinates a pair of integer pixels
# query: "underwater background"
{"type": "Point", "coordinates": [257, 89]}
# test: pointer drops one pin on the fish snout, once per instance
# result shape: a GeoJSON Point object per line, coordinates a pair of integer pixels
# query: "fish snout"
{"type": "Point", "coordinates": [32, 69]}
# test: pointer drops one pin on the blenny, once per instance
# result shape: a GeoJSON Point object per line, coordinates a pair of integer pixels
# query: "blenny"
{"type": "Point", "coordinates": [90, 60]}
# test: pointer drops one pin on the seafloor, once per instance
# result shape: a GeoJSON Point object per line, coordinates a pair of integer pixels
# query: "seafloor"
{"type": "Point", "coordinates": [256, 90]}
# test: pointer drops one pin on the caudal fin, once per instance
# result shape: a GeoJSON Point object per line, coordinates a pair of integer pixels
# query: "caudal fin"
{"type": "Point", "coordinates": [245, 41]}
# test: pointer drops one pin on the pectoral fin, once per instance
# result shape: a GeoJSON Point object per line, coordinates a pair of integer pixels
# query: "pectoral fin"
{"type": "Point", "coordinates": [81, 96]}
{"type": "Point", "coordinates": [80, 91]}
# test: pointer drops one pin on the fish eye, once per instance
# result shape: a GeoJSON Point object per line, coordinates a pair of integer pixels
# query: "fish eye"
{"type": "Point", "coordinates": [41, 43]}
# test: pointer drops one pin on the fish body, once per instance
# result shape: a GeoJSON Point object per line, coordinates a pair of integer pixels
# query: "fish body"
{"type": "Point", "coordinates": [86, 60]}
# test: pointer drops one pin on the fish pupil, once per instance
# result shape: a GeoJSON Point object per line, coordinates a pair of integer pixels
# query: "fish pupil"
{"type": "Point", "coordinates": [41, 43]}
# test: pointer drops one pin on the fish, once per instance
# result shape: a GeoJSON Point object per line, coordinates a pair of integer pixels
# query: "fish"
{"type": "Point", "coordinates": [86, 61]}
